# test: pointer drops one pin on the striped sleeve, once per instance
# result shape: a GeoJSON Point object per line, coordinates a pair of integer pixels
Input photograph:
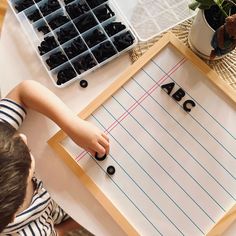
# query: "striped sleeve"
{"type": "Point", "coordinates": [11, 112]}
{"type": "Point", "coordinates": [59, 215]}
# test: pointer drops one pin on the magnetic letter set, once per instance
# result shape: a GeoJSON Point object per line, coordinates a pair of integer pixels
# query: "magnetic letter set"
{"type": "Point", "coordinates": [73, 38]}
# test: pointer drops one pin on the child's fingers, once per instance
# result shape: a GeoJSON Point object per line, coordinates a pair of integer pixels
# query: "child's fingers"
{"type": "Point", "coordinates": [105, 144]}
{"type": "Point", "coordinates": [92, 152]}
{"type": "Point", "coordinates": [102, 146]}
{"type": "Point", "coordinates": [105, 136]}
{"type": "Point", "coordinates": [98, 148]}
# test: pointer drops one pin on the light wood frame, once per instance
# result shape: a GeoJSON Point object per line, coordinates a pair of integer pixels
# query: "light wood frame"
{"type": "Point", "coordinates": [54, 142]}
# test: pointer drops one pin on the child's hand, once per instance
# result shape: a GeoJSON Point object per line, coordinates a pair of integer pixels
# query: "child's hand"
{"type": "Point", "coordinates": [89, 137]}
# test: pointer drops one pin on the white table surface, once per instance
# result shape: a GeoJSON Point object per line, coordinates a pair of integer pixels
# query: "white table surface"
{"type": "Point", "coordinates": [18, 62]}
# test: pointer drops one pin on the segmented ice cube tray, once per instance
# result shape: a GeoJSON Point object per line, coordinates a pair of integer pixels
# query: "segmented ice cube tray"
{"type": "Point", "coordinates": [73, 38]}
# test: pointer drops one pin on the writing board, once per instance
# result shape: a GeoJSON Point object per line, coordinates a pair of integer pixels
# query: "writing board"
{"type": "Point", "coordinates": [175, 169]}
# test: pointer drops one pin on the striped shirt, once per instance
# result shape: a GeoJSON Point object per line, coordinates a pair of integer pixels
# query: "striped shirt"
{"type": "Point", "coordinates": [12, 113]}
{"type": "Point", "coordinates": [43, 213]}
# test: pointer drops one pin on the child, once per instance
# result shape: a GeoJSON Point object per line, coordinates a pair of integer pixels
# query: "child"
{"type": "Point", "coordinates": [26, 208]}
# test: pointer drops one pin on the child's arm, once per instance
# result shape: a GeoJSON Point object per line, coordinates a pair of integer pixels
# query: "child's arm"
{"type": "Point", "coordinates": [34, 96]}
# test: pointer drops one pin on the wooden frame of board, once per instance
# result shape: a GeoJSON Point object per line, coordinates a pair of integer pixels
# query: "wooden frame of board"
{"type": "Point", "coordinates": [54, 142]}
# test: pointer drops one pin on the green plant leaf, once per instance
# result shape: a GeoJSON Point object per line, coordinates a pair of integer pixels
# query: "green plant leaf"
{"type": "Point", "coordinates": [203, 7]}
{"type": "Point", "coordinates": [194, 5]}
{"type": "Point", "coordinates": [207, 2]}
{"type": "Point", "coordinates": [202, 4]}
{"type": "Point", "coordinates": [225, 6]}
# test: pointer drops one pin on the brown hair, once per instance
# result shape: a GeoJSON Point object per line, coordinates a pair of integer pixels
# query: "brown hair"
{"type": "Point", "coordinates": [15, 163]}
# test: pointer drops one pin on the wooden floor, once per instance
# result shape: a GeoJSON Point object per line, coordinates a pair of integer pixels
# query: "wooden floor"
{"type": "Point", "coordinates": [3, 7]}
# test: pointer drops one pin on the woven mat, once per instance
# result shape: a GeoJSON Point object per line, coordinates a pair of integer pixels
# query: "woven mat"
{"type": "Point", "coordinates": [225, 67]}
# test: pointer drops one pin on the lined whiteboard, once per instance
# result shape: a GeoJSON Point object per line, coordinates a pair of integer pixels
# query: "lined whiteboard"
{"type": "Point", "coordinates": [175, 170]}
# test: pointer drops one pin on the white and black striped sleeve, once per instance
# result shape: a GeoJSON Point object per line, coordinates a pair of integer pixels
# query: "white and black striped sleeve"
{"type": "Point", "coordinates": [11, 112]}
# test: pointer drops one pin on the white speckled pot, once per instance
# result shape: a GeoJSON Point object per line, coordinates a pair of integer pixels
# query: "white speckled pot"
{"type": "Point", "coordinates": [200, 36]}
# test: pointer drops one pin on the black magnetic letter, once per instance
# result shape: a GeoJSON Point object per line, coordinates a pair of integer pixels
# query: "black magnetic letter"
{"type": "Point", "coordinates": [168, 87]}
{"type": "Point", "coordinates": [178, 94]}
{"type": "Point", "coordinates": [187, 103]}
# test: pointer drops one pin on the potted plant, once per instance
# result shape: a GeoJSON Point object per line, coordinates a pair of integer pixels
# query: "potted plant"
{"type": "Point", "coordinates": [213, 32]}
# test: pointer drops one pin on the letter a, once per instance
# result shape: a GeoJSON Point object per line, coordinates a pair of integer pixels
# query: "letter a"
{"type": "Point", "coordinates": [168, 87]}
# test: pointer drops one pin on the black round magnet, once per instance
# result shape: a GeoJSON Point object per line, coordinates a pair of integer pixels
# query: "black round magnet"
{"type": "Point", "coordinates": [98, 158]}
{"type": "Point", "coordinates": [83, 83]}
{"type": "Point", "coordinates": [111, 170]}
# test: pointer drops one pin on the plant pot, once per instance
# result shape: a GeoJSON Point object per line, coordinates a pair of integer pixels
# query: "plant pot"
{"type": "Point", "coordinates": [200, 36]}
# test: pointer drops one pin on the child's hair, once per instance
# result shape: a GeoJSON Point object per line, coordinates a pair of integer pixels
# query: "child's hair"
{"type": "Point", "coordinates": [15, 163]}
